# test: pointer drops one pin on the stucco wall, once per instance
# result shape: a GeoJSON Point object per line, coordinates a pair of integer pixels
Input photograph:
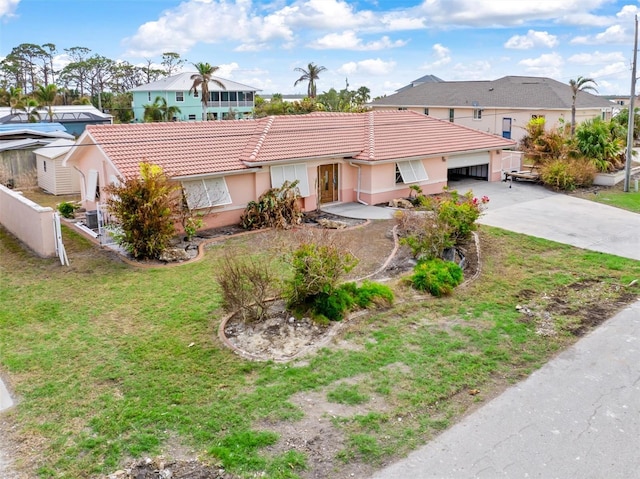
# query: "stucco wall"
{"type": "Point", "coordinates": [29, 222]}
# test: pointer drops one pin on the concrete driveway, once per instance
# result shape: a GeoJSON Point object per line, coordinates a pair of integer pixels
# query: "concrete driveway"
{"type": "Point", "coordinates": [579, 415]}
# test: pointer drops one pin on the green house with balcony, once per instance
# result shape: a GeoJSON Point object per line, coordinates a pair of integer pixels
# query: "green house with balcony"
{"type": "Point", "coordinates": [235, 101]}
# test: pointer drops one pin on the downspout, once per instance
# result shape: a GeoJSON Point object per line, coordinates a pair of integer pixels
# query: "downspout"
{"type": "Point", "coordinates": [358, 187]}
{"type": "Point", "coordinates": [84, 181]}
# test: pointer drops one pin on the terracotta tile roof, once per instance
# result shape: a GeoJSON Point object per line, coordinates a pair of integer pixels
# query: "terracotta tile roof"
{"type": "Point", "coordinates": [194, 148]}
{"type": "Point", "coordinates": [181, 148]}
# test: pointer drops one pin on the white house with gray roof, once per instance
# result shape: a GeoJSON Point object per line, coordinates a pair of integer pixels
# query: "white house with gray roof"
{"type": "Point", "coordinates": [502, 107]}
{"type": "Point", "coordinates": [235, 100]}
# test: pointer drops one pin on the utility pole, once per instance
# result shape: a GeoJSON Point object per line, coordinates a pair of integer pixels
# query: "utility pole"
{"type": "Point", "coordinates": [632, 113]}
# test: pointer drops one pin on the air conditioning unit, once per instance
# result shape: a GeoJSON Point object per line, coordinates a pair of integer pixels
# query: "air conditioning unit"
{"type": "Point", "coordinates": [91, 219]}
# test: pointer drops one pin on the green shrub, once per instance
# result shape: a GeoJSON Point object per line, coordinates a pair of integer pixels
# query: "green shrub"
{"type": "Point", "coordinates": [370, 293]}
{"type": "Point", "coordinates": [317, 269]}
{"type": "Point", "coordinates": [567, 175]}
{"type": "Point", "coordinates": [144, 208]}
{"type": "Point", "coordinates": [332, 306]}
{"type": "Point", "coordinates": [67, 209]}
{"type": "Point", "coordinates": [436, 276]}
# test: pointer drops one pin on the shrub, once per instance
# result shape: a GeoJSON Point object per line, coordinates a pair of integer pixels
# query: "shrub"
{"type": "Point", "coordinates": [144, 207]}
{"type": "Point", "coordinates": [444, 221]}
{"type": "Point", "coordinates": [436, 276]}
{"type": "Point", "coordinates": [317, 269]}
{"type": "Point", "coordinates": [247, 284]}
{"type": "Point", "coordinates": [67, 209]}
{"type": "Point", "coordinates": [332, 306]}
{"type": "Point", "coordinates": [567, 175]}
{"type": "Point", "coordinates": [276, 207]}
{"type": "Point", "coordinates": [370, 293]}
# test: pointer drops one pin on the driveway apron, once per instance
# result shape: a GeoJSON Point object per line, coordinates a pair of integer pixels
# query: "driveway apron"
{"type": "Point", "coordinates": [577, 416]}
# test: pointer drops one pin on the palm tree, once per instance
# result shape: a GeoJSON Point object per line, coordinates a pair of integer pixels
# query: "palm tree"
{"type": "Point", "coordinates": [46, 95]}
{"type": "Point", "coordinates": [159, 110]}
{"type": "Point", "coordinates": [310, 75]}
{"type": "Point", "coordinates": [16, 100]}
{"type": "Point", "coordinates": [363, 95]}
{"type": "Point", "coordinates": [202, 80]}
{"type": "Point", "coordinates": [30, 107]}
{"type": "Point", "coordinates": [581, 84]}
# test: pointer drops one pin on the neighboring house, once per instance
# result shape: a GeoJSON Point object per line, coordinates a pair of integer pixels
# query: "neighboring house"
{"type": "Point", "coordinates": [17, 145]}
{"type": "Point", "coordinates": [73, 117]}
{"type": "Point", "coordinates": [235, 99]}
{"type": "Point", "coordinates": [52, 176]}
{"type": "Point", "coordinates": [336, 157]}
{"type": "Point", "coordinates": [502, 107]}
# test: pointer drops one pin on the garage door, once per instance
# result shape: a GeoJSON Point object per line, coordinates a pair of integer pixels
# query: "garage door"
{"type": "Point", "coordinates": [475, 165]}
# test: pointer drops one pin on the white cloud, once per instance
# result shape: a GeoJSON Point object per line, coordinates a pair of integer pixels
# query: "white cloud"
{"type": "Point", "coordinates": [212, 21]}
{"type": "Point", "coordinates": [596, 58]}
{"type": "Point", "coordinates": [8, 7]}
{"type": "Point", "coordinates": [442, 57]}
{"type": "Point", "coordinates": [547, 65]}
{"type": "Point", "coordinates": [477, 70]}
{"type": "Point", "coordinates": [348, 40]}
{"type": "Point", "coordinates": [368, 67]}
{"type": "Point", "coordinates": [325, 14]}
{"type": "Point", "coordinates": [532, 39]}
{"type": "Point", "coordinates": [614, 34]}
{"type": "Point", "coordinates": [483, 13]}
{"type": "Point", "coordinates": [620, 70]}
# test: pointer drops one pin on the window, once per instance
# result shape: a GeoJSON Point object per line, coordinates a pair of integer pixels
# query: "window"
{"type": "Point", "coordinates": [224, 96]}
{"type": "Point", "coordinates": [179, 96]}
{"type": "Point", "coordinates": [402, 108]}
{"type": "Point", "coordinates": [192, 117]}
{"type": "Point", "coordinates": [426, 111]}
{"type": "Point", "coordinates": [477, 114]}
{"type": "Point", "coordinates": [451, 114]}
{"type": "Point", "coordinates": [44, 164]}
{"type": "Point", "coordinates": [410, 172]}
{"type": "Point", "coordinates": [291, 173]}
{"type": "Point", "coordinates": [233, 96]}
{"type": "Point", "coordinates": [206, 193]}
{"type": "Point", "coordinates": [241, 96]}
{"type": "Point", "coordinates": [149, 96]}
{"type": "Point", "coordinates": [214, 96]}
{"type": "Point", "coordinates": [249, 96]}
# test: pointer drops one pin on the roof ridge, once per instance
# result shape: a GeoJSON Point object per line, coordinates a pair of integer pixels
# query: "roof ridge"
{"type": "Point", "coordinates": [263, 136]}
{"type": "Point", "coordinates": [371, 137]}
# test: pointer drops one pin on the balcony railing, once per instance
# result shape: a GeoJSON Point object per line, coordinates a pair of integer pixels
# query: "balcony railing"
{"type": "Point", "coordinates": [230, 104]}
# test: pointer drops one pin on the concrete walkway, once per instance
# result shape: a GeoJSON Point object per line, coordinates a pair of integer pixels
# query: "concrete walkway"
{"type": "Point", "coordinates": [579, 415]}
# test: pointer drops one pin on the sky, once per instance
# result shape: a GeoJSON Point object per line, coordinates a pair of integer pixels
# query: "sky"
{"type": "Point", "coordinates": [380, 44]}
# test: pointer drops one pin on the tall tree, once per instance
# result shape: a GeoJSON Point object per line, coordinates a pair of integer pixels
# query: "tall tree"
{"type": "Point", "coordinates": [201, 80]}
{"type": "Point", "coordinates": [310, 75]}
{"type": "Point", "coordinates": [76, 73]}
{"type": "Point", "coordinates": [581, 84]}
{"type": "Point", "coordinates": [16, 100]}
{"type": "Point", "coordinates": [171, 62]}
{"type": "Point", "coordinates": [363, 95]}
{"type": "Point", "coordinates": [46, 96]}
{"type": "Point", "coordinates": [48, 72]}
{"type": "Point", "coordinates": [150, 72]}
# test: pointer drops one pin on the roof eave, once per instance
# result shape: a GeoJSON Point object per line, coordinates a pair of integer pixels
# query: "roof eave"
{"type": "Point", "coordinates": [215, 175]}
{"type": "Point", "coordinates": [346, 155]}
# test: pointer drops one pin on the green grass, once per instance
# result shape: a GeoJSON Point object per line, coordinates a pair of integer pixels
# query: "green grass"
{"type": "Point", "coordinates": [614, 197]}
{"type": "Point", "coordinates": [112, 362]}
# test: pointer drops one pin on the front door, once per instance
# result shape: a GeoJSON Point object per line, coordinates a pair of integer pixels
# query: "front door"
{"type": "Point", "coordinates": [506, 128]}
{"type": "Point", "coordinates": [328, 181]}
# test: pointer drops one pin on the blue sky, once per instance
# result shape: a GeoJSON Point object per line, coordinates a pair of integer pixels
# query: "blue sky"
{"type": "Point", "coordinates": [382, 44]}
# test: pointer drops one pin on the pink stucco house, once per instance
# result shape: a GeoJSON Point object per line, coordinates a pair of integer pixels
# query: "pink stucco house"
{"type": "Point", "coordinates": [336, 157]}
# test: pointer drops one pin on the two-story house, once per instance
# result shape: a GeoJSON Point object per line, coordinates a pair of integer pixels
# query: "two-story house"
{"type": "Point", "coordinates": [502, 107]}
{"type": "Point", "coordinates": [235, 101]}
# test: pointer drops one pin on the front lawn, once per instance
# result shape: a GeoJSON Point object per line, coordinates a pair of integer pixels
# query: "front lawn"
{"type": "Point", "coordinates": [110, 362]}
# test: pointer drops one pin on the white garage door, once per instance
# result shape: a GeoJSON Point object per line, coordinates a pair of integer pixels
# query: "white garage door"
{"type": "Point", "coordinates": [473, 159]}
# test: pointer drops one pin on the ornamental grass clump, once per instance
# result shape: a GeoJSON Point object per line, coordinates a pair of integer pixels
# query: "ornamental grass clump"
{"type": "Point", "coordinates": [436, 276]}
